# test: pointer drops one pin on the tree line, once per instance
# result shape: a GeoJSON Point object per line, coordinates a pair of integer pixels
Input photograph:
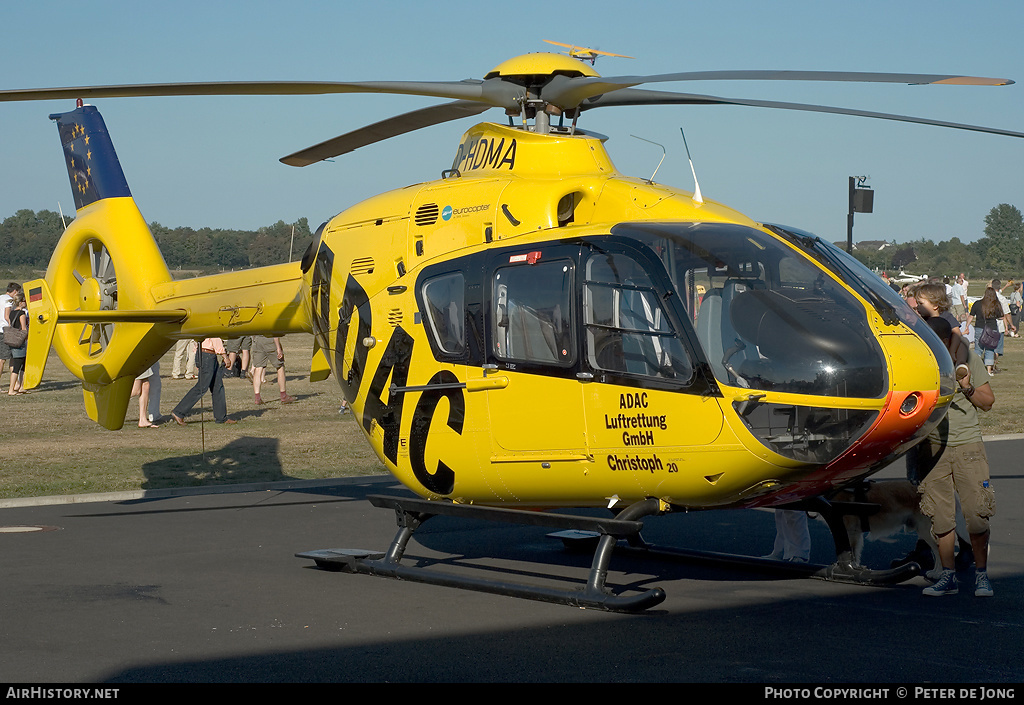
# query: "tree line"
{"type": "Point", "coordinates": [28, 238]}
{"type": "Point", "coordinates": [999, 254]}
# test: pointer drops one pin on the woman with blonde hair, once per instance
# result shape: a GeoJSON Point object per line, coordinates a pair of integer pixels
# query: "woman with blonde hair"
{"type": "Point", "coordinates": [19, 320]}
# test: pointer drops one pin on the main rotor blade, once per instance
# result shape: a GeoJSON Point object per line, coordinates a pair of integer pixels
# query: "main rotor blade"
{"type": "Point", "coordinates": [494, 93]}
{"type": "Point", "coordinates": [631, 96]}
{"type": "Point", "coordinates": [379, 131]}
{"type": "Point", "coordinates": [567, 93]}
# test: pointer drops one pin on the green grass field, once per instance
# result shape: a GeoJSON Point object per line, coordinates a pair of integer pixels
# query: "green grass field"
{"type": "Point", "coordinates": [54, 449]}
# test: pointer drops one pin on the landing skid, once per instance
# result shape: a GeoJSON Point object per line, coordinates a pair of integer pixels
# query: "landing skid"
{"type": "Point", "coordinates": [412, 513]}
{"type": "Point", "coordinates": [602, 535]}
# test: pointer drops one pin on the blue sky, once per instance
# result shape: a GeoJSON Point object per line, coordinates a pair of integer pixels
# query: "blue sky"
{"type": "Point", "coordinates": [214, 161]}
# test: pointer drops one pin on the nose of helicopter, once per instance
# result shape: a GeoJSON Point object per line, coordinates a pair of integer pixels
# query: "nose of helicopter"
{"type": "Point", "coordinates": [921, 385]}
{"type": "Point", "coordinates": [921, 388]}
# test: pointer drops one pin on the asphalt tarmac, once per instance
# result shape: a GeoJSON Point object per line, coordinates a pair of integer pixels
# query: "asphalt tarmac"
{"type": "Point", "coordinates": [205, 587]}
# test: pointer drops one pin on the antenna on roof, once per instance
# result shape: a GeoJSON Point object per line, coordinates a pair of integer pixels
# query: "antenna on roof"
{"type": "Point", "coordinates": [663, 153]}
{"type": "Point", "coordinates": [697, 198]}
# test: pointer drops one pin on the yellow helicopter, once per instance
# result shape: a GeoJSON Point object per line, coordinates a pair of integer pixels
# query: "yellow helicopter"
{"type": "Point", "coordinates": [533, 330]}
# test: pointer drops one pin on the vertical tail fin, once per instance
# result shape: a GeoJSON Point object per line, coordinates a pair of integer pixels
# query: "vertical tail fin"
{"type": "Point", "coordinates": [93, 167]}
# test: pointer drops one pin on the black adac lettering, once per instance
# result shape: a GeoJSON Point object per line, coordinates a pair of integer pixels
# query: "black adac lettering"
{"type": "Point", "coordinates": [355, 300]}
{"type": "Point", "coordinates": [637, 400]}
{"type": "Point", "coordinates": [394, 364]}
{"type": "Point", "coordinates": [442, 480]}
{"type": "Point", "coordinates": [320, 294]}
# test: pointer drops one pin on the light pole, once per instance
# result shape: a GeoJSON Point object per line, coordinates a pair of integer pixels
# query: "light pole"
{"type": "Point", "coordinates": [861, 201]}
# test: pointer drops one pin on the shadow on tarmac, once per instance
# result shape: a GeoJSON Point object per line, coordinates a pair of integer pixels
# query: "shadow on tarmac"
{"type": "Point", "coordinates": [718, 625]}
{"type": "Point", "coordinates": [246, 459]}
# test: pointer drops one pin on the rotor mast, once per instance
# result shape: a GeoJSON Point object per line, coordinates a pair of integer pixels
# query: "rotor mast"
{"type": "Point", "coordinates": [542, 111]}
{"type": "Point", "coordinates": [532, 74]}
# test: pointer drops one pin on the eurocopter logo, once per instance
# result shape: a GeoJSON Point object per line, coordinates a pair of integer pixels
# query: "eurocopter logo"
{"type": "Point", "coordinates": [485, 153]}
{"type": "Point", "coordinates": [447, 212]}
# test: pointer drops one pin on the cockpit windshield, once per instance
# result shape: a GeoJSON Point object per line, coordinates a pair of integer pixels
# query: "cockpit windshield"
{"type": "Point", "coordinates": [767, 317]}
{"type": "Point", "coordinates": [890, 306]}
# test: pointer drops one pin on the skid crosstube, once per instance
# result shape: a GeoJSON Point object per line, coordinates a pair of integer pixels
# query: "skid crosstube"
{"type": "Point", "coordinates": [411, 513]}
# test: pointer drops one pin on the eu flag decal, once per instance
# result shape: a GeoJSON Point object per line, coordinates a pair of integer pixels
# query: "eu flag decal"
{"type": "Point", "coordinates": [93, 167]}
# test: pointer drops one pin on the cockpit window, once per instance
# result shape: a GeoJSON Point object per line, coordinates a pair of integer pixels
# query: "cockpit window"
{"type": "Point", "coordinates": [627, 328]}
{"type": "Point", "coordinates": [444, 297]}
{"type": "Point", "coordinates": [767, 317]}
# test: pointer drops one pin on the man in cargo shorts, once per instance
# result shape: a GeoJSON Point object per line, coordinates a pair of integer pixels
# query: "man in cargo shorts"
{"type": "Point", "coordinates": [267, 352]}
{"type": "Point", "coordinates": [237, 349]}
{"type": "Point", "coordinates": [952, 461]}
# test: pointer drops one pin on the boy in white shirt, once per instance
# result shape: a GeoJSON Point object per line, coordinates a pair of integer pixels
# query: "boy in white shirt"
{"type": "Point", "coordinates": [6, 304]}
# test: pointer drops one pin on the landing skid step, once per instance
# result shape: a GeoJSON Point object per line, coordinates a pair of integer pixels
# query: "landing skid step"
{"type": "Point", "coordinates": [339, 559]}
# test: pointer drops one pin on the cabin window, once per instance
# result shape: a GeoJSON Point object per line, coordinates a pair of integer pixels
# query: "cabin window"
{"type": "Point", "coordinates": [531, 314]}
{"type": "Point", "coordinates": [445, 300]}
{"type": "Point", "coordinates": [626, 326]}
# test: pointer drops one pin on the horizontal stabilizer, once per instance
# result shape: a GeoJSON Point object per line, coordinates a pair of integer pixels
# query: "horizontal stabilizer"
{"type": "Point", "coordinates": [117, 316]}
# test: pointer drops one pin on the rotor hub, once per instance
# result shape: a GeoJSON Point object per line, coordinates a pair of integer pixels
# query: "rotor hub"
{"type": "Point", "coordinates": [528, 67]}
{"type": "Point", "coordinates": [97, 295]}
{"type": "Point", "coordinates": [90, 296]}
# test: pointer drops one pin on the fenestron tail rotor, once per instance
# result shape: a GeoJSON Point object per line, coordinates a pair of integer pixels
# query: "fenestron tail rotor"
{"type": "Point", "coordinates": [98, 292]}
